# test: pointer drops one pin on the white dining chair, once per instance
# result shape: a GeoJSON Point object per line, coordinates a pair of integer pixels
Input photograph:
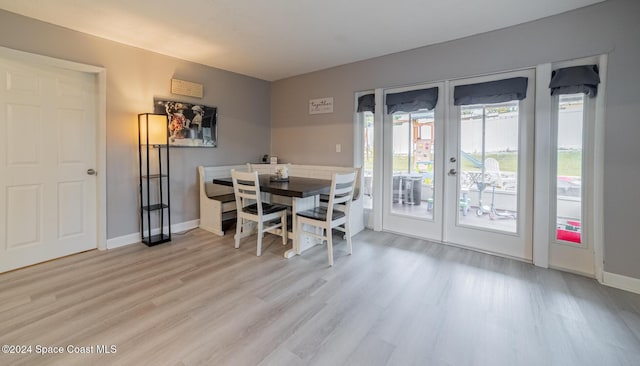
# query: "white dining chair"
{"type": "Point", "coordinates": [250, 207]}
{"type": "Point", "coordinates": [334, 216]}
{"type": "Point", "coordinates": [324, 199]}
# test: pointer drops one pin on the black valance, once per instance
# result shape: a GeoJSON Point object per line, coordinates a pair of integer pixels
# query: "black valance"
{"type": "Point", "coordinates": [413, 100]}
{"type": "Point", "coordinates": [498, 91]}
{"type": "Point", "coordinates": [367, 103]}
{"type": "Point", "coordinates": [576, 79]}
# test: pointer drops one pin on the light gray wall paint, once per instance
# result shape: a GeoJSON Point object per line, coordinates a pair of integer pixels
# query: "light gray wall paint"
{"type": "Point", "coordinates": [611, 27]}
{"type": "Point", "coordinates": [134, 77]}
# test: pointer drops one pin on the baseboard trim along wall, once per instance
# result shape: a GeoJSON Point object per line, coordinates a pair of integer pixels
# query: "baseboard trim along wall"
{"type": "Point", "coordinates": [621, 282]}
{"type": "Point", "coordinates": [134, 238]}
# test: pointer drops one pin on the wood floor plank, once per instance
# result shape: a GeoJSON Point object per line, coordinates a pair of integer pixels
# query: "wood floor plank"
{"type": "Point", "coordinates": [370, 351]}
{"type": "Point", "coordinates": [395, 301]}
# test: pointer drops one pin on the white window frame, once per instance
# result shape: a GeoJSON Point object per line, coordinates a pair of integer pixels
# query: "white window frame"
{"type": "Point", "coordinates": [588, 121]}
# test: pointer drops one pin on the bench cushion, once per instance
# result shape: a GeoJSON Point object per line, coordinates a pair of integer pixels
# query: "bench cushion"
{"type": "Point", "coordinates": [320, 214]}
{"type": "Point", "coordinates": [224, 198]}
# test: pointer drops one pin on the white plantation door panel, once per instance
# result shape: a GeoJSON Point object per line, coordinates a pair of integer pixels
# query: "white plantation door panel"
{"type": "Point", "coordinates": [47, 144]}
{"type": "Point", "coordinates": [499, 197]}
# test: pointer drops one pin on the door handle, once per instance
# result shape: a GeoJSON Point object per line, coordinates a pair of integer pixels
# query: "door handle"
{"type": "Point", "coordinates": [91, 172]}
{"type": "Point", "coordinates": [452, 172]}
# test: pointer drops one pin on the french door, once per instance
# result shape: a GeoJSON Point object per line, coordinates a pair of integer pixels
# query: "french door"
{"type": "Point", "coordinates": [489, 166]}
{"type": "Point", "coordinates": [461, 169]}
{"type": "Point", "coordinates": [461, 174]}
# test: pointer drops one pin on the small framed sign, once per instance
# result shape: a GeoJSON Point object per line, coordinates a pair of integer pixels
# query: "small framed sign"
{"type": "Point", "coordinates": [321, 105]}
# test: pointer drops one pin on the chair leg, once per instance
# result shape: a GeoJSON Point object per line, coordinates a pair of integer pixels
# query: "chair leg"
{"type": "Point", "coordinates": [260, 234]}
{"type": "Point", "coordinates": [238, 231]}
{"type": "Point", "coordinates": [330, 246]}
{"type": "Point", "coordinates": [283, 220]}
{"type": "Point", "coordinates": [348, 235]}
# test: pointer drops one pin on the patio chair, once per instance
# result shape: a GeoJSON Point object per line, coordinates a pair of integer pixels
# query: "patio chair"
{"type": "Point", "coordinates": [498, 179]}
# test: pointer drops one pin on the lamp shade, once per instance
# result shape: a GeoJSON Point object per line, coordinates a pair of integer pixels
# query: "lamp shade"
{"type": "Point", "coordinates": [152, 129]}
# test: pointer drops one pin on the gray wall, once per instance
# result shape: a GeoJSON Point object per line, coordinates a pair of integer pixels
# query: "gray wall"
{"type": "Point", "coordinates": [611, 27]}
{"type": "Point", "coordinates": [134, 77]}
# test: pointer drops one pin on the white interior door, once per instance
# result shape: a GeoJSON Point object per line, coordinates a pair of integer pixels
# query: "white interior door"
{"type": "Point", "coordinates": [47, 145]}
{"type": "Point", "coordinates": [412, 173]}
{"type": "Point", "coordinates": [489, 171]}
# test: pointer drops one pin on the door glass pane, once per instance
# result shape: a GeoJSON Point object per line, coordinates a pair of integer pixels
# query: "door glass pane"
{"type": "Point", "coordinates": [488, 178]}
{"type": "Point", "coordinates": [569, 171]}
{"type": "Point", "coordinates": [368, 160]}
{"type": "Point", "coordinates": [413, 164]}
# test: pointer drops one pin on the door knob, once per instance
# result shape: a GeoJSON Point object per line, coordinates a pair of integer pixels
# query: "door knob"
{"type": "Point", "coordinates": [91, 172]}
{"type": "Point", "coordinates": [452, 172]}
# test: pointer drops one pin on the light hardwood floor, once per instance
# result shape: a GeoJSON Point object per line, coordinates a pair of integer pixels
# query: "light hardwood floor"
{"type": "Point", "coordinates": [396, 301]}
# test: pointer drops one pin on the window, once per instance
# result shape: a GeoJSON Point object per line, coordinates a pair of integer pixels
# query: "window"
{"type": "Point", "coordinates": [367, 158]}
{"type": "Point", "coordinates": [489, 152]}
{"type": "Point", "coordinates": [569, 172]}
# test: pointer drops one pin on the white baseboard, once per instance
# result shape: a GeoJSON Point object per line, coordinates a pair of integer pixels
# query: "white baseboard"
{"type": "Point", "coordinates": [621, 282]}
{"type": "Point", "coordinates": [134, 238]}
{"type": "Point", "coordinates": [184, 226]}
{"type": "Point", "coordinates": [121, 241]}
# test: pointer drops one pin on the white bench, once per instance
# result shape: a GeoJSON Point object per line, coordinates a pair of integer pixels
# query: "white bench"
{"type": "Point", "coordinates": [217, 202]}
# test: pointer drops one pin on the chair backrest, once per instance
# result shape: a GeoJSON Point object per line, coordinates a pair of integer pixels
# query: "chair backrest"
{"type": "Point", "coordinates": [246, 188]}
{"type": "Point", "coordinates": [342, 187]}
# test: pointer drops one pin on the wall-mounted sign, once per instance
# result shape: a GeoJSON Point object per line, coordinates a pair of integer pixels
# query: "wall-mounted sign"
{"type": "Point", "coordinates": [321, 105]}
{"type": "Point", "coordinates": [187, 88]}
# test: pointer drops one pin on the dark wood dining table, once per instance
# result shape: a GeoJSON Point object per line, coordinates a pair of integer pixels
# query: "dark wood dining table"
{"type": "Point", "coordinates": [305, 194]}
{"type": "Point", "coordinates": [299, 187]}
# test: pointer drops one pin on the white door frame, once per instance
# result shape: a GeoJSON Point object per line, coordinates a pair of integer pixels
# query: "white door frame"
{"type": "Point", "coordinates": [378, 118]}
{"type": "Point", "coordinates": [542, 173]}
{"type": "Point", "coordinates": [101, 128]}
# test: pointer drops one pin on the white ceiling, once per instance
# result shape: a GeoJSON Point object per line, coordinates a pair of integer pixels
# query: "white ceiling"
{"type": "Point", "coordinates": [276, 39]}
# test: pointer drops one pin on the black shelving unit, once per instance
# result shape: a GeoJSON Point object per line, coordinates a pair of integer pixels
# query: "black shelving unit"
{"type": "Point", "coordinates": [155, 202]}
